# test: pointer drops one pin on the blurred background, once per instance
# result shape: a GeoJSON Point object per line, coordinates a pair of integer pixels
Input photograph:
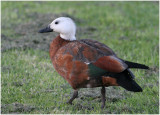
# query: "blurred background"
{"type": "Point", "coordinates": [29, 83]}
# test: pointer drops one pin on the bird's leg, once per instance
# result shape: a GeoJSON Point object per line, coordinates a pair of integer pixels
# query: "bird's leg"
{"type": "Point", "coordinates": [103, 92]}
{"type": "Point", "coordinates": [75, 95]}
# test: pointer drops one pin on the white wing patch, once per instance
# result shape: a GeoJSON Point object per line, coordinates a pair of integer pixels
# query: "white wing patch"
{"type": "Point", "coordinates": [86, 63]}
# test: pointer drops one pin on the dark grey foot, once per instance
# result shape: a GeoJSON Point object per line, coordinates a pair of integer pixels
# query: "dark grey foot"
{"type": "Point", "coordinates": [75, 95]}
{"type": "Point", "coordinates": [103, 98]}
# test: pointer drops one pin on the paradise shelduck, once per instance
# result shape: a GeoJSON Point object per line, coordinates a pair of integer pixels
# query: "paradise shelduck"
{"type": "Point", "coordinates": [88, 63]}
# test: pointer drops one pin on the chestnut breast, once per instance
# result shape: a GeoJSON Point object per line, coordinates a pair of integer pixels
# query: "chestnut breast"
{"type": "Point", "coordinates": [64, 56]}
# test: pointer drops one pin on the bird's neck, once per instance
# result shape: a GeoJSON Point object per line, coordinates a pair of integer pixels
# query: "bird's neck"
{"type": "Point", "coordinates": [56, 44]}
{"type": "Point", "coordinates": [69, 36]}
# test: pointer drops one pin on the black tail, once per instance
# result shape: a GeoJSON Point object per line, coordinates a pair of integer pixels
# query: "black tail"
{"type": "Point", "coordinates": [136, 65]}
{"type": "Point", "coordinates": [125, 80]}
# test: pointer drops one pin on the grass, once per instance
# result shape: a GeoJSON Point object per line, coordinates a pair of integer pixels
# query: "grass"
{"type": "Point", "coordinates": [29, 83]}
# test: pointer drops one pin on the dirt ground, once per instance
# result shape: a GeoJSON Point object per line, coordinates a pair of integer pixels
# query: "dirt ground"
{"type": "Point", "coordinates": [27, 35]}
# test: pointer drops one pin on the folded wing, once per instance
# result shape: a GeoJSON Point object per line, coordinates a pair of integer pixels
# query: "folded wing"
{"type": "Point", "coordinates": [95, 54]}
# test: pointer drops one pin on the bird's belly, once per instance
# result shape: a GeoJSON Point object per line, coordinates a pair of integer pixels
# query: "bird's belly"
{"type": "Point", "coordinates": [94, 82]}
{"type": "Point", "coordinates": [100, 81]}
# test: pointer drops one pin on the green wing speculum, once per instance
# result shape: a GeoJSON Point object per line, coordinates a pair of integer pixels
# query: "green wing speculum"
{"type": "Point", "coordinates": [95, 71]}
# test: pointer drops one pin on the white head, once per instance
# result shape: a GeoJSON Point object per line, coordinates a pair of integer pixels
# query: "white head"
{"type": "Point", "coordinates": [63, 25]}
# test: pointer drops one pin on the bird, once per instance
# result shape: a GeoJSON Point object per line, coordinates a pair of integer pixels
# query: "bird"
{"type": "Point", "coordinates": [87, 63]}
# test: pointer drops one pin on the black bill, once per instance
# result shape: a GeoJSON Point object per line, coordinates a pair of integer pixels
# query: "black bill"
{"type": "Point", "coordinates": [45, 30]}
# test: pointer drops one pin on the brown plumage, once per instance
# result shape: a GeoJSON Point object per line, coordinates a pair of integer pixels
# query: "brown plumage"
{"type": "Point", "coordinates": [70, 58]}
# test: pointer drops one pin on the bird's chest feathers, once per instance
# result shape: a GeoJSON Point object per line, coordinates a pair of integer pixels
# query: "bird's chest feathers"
{"type": "Point", "coordinates": [75, 72]}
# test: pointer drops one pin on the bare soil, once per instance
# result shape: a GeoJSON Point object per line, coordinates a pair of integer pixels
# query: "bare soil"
{"type": "Point", "coordinates": [27, 35]}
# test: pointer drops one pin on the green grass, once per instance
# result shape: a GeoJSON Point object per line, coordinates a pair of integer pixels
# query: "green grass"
{"type": "Point", "coordinates": [28, 77]}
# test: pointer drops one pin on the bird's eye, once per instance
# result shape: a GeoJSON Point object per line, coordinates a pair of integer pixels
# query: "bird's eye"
{"type": "Point", "coordinates": [56, 22]}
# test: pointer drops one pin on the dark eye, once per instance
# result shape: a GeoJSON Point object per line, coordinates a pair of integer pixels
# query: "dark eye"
{"type": "Point", "coordinates": [56, 22]}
